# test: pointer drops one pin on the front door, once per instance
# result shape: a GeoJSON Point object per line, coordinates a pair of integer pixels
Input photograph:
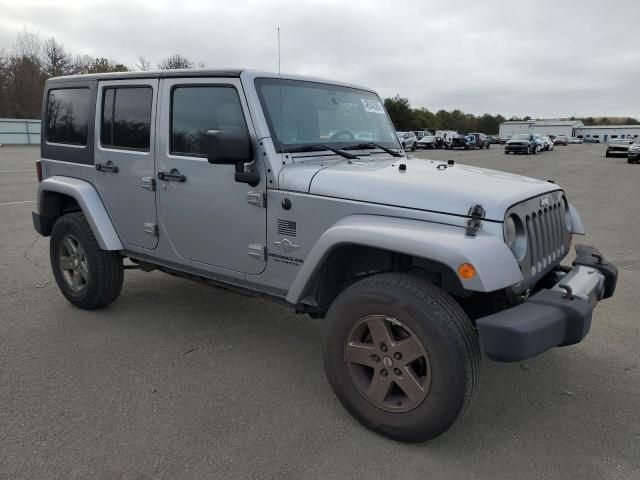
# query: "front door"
{"type": "Point", "coordinates": [205, 214]}
{"type": "Point", "coordinates": [124, 156]}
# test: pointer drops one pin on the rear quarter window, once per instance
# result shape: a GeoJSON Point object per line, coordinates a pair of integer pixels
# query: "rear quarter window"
{"type": "Point", "coordinates": [68, 114]}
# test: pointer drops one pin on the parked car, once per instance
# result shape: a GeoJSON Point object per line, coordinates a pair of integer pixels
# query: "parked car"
{"type": "Point", "coordinates": [468, 142]}
{"type": "Point", "coordinates": [618, 148]}
{"type": "Point", "coordinates": [494, 140]}
{"type": "Point", "coordinates": [591, 140]}
{"type": "Point", "coordinates": [548, 143]}
{"type": "Point", "coordinates": [633, 155]}
{"type": "Point", "coordinates": [575, 140]}
{"type": "Point", "coordinates": [539, 143]}
{"type": "Point", "coordinates": [408, 140]}
{"type": "Point", "coordinates": [504, 139]}
{"type": "Point", "coordinates": [427, 141]}
{"type": "Point", "coordinates": [561, 140]}
{"type": "Point", "coordinates": [521, 143]}
{"type": "Point", "coordinates": [482, 141]}
{"type": "Point", "coordinates": [446, 136]}
{"type": "Point", "coordinates": [421, 133]}
{"type": "Point", "coordinates": [198, 179]}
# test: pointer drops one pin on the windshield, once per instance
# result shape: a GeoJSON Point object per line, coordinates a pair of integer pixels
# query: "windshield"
{"type": "Point", "coordinates": [522, 136]}
{"type": "Point", "coordinates": [307, 113]}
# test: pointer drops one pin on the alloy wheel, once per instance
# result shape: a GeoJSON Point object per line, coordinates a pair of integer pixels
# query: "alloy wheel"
{"type": "Point", "coordinates": [387, 363]}
{"type": "Point", "coordinates": [73, 263]}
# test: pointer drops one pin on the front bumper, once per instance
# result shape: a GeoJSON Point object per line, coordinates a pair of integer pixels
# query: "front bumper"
{"type": "Point", "coordinates": [516, 148]}
{"type": "Point", "coordinates": [553, 317]}
{"type": "Point", "coordinates": [617, 153]}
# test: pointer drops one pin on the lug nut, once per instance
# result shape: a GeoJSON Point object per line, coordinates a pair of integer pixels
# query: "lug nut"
{"type": "Point", "coordinates": [383, 372]}
{"type": "Point", "coordinates": [376, 358]}
{"type": "Point", "coordinates": [397, 371]}
{"type": "Point", "coordinates": [397, 355]}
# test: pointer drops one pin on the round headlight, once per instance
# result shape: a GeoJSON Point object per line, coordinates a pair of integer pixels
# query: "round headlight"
{"type": "Point", "coordinates": [515, 236]}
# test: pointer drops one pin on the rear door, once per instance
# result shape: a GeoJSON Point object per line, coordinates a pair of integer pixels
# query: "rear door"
{"type": "Point", "coordinates": [124, 157]}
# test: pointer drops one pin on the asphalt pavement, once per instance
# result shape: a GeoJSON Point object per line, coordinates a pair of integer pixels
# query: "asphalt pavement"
{"type": "Point", "coordinates": [178, 380]}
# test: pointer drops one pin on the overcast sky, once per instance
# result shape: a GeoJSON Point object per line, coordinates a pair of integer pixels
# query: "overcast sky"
{"type": "Point", "coordinates": [538, 58]}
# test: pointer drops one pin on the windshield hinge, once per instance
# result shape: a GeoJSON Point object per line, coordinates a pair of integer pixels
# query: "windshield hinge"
{"type": "Point", "coordinates": [473, 224]}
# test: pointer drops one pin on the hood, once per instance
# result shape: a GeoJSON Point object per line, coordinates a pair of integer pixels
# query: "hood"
{"type": "Point", "coordinates": [425, 185]}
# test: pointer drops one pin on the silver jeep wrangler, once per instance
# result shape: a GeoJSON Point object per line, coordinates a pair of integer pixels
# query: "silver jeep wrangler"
{"type": "Point", "coordinates": [296, 188]}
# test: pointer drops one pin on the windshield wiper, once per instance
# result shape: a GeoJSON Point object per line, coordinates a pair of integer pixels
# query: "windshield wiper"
{"type": "Point", "coordinates": [312, 148]}
{"type": "Point", "coordinates": [393, 153]}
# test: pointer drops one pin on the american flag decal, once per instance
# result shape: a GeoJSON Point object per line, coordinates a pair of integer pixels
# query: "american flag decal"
{"type": "Point", "coordinates": [286, 227]}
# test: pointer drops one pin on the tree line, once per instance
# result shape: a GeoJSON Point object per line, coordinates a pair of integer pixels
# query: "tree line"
{"type": "Point", "coordinates": [31, 61]}
{"type": "Point", "coordinates": [406, 118]}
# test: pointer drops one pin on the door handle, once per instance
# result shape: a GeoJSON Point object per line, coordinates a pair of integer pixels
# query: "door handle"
{"type": "Point", "coordinates": [106, 167]}
{"type": "Point", "coordinates": [173, 176]}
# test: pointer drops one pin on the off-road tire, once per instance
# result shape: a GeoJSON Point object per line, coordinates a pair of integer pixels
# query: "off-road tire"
{"type": "Point", "coordinates": [105, 269]}
{"type": "Point", "coordinates": [446, 334]}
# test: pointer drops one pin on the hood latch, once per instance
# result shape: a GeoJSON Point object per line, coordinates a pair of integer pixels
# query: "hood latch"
{"type": "Point", "coordinates": [477, 214]}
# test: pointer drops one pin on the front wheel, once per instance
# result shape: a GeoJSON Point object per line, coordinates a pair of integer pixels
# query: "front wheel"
{"type": "Point", "coordinates": [401, 356]}
{"type": "Point", "coordinates": [87, 276]}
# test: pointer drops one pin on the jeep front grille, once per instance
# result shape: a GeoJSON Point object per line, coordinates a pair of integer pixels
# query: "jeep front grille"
{"type": "Point", "coordinates": [545, 232]}
{"type": "Point", "coordinates": [548, 238]}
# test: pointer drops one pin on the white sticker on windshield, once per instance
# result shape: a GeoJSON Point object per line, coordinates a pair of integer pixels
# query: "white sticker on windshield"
{"type": "Point", "coordinates": [372, 106]}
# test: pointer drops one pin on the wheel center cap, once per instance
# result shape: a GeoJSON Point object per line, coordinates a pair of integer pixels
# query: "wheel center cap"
{"type": "Point", "coordinates": [387, 362]}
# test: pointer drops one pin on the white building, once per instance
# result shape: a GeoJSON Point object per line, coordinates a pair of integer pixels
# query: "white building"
{"type": "Point", "coordinates": [569, 128]}
{"type": "Point", "coordinates": [542, 127]}
{"type": "Point", "coordinates": [603, 133]}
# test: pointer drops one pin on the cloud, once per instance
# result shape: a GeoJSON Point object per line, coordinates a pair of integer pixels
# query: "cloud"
{"type": "Point", "coordinates": [541, 58]}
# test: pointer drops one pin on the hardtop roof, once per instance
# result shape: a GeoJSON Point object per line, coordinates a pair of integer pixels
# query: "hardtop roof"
{"type": "Point", "coordinates": [199, 72]}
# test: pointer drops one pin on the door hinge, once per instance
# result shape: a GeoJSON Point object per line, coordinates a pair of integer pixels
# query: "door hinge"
{"type": "Point", "coordinates": [151, 229]}
{"type": "Point", "coordinates": [259, 199]}
{"type": "Point", "coordinates": [148, 183]}
{"type": "Point", "coordinates": [257, 251]}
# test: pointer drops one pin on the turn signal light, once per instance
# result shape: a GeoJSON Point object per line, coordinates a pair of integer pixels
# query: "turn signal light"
{"type": "Point", "coordinates": [466, 271]}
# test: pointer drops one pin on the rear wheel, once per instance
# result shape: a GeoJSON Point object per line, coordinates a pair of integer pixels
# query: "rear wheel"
{"type": "Point", "coordinates": [87, 276]}
{"type": "Point", "coordinates": [401, 356]}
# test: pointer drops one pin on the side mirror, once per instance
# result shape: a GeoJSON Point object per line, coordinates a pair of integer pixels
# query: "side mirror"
{"type": "Point", "coordinates": [228, 147]}
{"type": "Point", "coordinates": [232, 148]}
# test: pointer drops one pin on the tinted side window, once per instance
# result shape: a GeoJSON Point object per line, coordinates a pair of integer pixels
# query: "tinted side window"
{"type": "Point", "coordinates": [194, 110]}
{"type": "Point", "coordinates": [68, 113]}
{"type": "Point", "coordinates": [126, 118]}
